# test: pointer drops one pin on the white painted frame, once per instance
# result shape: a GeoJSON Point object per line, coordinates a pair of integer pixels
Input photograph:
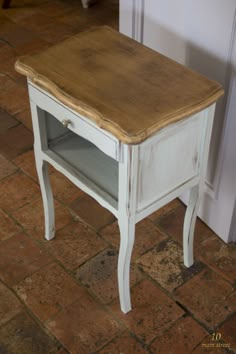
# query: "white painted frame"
{"type": "Point", "coordinates": [129, 159]}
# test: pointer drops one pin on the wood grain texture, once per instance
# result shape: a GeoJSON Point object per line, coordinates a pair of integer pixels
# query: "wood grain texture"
{"type": "Point", "coordinates": [124, 87]}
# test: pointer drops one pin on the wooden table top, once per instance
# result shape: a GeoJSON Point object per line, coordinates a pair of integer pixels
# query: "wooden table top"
{"type": "Point", "coordinates": [123, 86]}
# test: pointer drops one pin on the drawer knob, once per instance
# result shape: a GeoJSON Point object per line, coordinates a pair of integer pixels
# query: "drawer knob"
{"type": "Point", "coordinates": [66, 122]}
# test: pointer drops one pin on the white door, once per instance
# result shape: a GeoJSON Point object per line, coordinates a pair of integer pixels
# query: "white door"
{"type": "Point", "coordinates": [202, 35]}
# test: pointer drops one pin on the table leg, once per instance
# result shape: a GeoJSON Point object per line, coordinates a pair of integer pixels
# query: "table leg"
{"type": "Point", "coordinates": [128, 172]}
{"type": "Point", "coordinates": [40, 144]}
{"type": "Point", "coordinates": [127, 233]}
{"type": "Point", "coordinates": [47, 196]}
{"type": "Point", "coordinates": [197, 191]}
{"type": "Point", "coordinates": [189, 226]}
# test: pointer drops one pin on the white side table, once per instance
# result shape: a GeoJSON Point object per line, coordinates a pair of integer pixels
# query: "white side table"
{"type": "Point", "coordinates": [131, 166]}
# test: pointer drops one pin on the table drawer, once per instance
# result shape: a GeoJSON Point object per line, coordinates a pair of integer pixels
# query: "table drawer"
{"type": "Point", "coordinates": [76, 123]}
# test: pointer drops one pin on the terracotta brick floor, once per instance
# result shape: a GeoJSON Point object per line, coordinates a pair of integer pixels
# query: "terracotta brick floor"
{"type": "Point", "coordinates": [61, 296]}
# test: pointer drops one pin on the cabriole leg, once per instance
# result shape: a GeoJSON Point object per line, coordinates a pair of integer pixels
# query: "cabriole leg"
{"type": "Point", "coordinates": [41, 144]}
{"type": "Point", "coordinates": [189, 226]}
{"type": "Point", "coordinates": [197, 191]}
{"type": "Point", "coordinates": [127, 232]}
{"type": "Point", "coordinates": [128, 171]}
{"type": "Point", "coordinates": [47, 196]}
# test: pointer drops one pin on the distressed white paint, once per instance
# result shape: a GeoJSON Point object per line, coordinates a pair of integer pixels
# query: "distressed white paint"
{"type": "Point", "coordinates": [128, 171]}
{"type": "Point", "coordinates": [169, 159]}
{"type": "Point", "coordinates": [200, 34]}
{"type": "Point", "coordinates": [132, 181]}
{"type": "Point", "coordinates": [196, 193]}
{"type": "Point", "coordinates": [40, 144]}
{"type": "Point", "coordinates": [159, 203]}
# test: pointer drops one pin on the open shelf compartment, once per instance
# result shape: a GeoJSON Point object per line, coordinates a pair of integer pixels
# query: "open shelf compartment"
{"type": "Point", "coordinates": [82, 159]}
